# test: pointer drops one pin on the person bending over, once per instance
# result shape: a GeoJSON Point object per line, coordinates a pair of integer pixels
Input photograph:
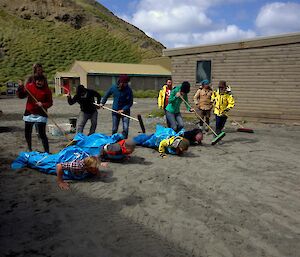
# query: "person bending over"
{"type": "Point", "coordinates": [86, 98]}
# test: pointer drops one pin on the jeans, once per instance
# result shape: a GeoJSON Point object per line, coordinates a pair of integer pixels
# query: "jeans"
{"type": "Point", "coordinates": [82, 120]}
{"type": "Point", "coordinates": [168, 123]}
{"type": "Point", "coordinates": [175, 120]}
{"type": "Point", "coordinates": [41, 127]}
{"type": "Point", "coordinates": [220, 123]}
{"type": "Point", "coordinates": [115, 124]}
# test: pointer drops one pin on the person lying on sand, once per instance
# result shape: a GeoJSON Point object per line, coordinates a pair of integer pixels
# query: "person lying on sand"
{"type": "Point", "coordinates": [174, 145]}
{"type": "Point", "coordinates": [195, 136]}
{"type": "Point", "coordinates": [119, 151]}
{"type": "Point", "coordinates": [89, 165]}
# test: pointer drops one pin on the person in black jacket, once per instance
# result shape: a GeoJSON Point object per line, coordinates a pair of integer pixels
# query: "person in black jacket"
{"type": "Point", "coordinates": [86, 98]}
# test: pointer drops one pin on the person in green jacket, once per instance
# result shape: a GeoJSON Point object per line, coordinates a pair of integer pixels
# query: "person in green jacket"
{"type": "Point", "coordinates": [173, 114]}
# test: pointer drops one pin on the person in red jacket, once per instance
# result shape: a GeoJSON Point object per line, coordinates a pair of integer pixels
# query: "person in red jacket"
{"type": "Point", "coordinates": [118, 151]}
{"type": "Point", "coordinates": [39, 99]}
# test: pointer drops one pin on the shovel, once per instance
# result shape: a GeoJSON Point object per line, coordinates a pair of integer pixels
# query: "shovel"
{"type": "Point", "coordinates": [138, 119]}
{"type": "Point", "coordinates": [218, 137]}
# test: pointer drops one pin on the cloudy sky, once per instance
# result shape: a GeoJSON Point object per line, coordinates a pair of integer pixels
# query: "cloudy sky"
{"type": "Point", "coordinates": [177, 23]}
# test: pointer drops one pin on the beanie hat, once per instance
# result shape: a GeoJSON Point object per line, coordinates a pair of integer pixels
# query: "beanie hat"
{"type": "Point", "coordinates": [204, 82]}
{"type": "Point", "coordinates": [185, 87]}
{"type": "Point", "coordinates": [123, 78]}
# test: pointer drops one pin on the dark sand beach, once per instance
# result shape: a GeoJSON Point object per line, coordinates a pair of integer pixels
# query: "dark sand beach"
{"type": "Point", "coordinates": [239, 198]}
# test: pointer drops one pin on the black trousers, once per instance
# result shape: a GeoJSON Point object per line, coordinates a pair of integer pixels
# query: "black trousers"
{"type": "Point", "coordinates": [41, 126]}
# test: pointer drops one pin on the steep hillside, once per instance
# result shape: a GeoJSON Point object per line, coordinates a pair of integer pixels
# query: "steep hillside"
{"type": "Point", "coordinates": [57, 32]}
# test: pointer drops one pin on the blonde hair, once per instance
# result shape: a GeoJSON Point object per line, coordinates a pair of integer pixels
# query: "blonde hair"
{"type": "Point", "coordinates": [92, 162]}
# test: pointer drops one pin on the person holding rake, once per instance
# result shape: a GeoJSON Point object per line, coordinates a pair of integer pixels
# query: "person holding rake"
{"type": "Point", "coordinates": [39, 100]}
{"type": "Point", "coordinates": [223, 102]}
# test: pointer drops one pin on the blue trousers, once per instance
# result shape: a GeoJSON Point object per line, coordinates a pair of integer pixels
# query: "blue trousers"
{"type": "Point", "coordinates": [115, 124]}
{"type": "Point", "coordinates": [220, 123]}
{"type": "Point", "coordinates": [175, 121]}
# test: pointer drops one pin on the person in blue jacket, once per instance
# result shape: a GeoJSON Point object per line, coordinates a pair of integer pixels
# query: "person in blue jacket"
{"type": "Point", "coordinates": [122, 102]}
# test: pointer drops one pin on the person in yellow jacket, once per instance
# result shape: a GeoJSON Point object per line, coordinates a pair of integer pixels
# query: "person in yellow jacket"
{"type": "Point", "coordinates": [163, 96]}
{"type": "Point", "coordinates": [174, 145]}
{"type": "Point", "coordinates": [223, 102]}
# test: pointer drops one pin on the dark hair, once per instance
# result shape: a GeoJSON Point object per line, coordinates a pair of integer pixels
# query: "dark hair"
{"type": "Point", "coordinates": [39, 78]}
{"type": "Point", "coordinates": [185, 87]}
{"type": "Point", "coordinates": [36, 66]}
{"type": "Point", "coordinates": [80, 89]}
{"type": "Point", "coordinates": [222, 83]}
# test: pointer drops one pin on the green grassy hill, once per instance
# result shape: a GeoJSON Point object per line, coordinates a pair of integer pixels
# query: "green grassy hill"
{"type": "Point", "coordinates": [56, 35]}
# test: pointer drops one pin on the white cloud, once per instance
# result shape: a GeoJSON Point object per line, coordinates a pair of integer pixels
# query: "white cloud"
{"type": "Point", "coordinates": [184, 23]}
{"type": "Point", "coordinates": [278, 17]}
{"type": "Point", "coordinates": [227, 34]}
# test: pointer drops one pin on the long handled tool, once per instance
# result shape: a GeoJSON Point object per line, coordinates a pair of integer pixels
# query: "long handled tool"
{"type": "Point", "coordinates": [241, 127]}
{"type": "Point", "coordinates": [44, 110]}
{"type": "Point", "coordinates": [138, 119]}
{"type": "Point", "coordinates": [218, 137]}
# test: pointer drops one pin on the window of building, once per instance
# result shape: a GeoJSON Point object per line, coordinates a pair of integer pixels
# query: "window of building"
{"type": "Point", "coordinates": [203, 71]}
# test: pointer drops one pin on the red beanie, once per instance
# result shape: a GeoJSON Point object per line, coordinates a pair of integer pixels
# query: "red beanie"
{"type": "Point", "coordinates": [123, 78]}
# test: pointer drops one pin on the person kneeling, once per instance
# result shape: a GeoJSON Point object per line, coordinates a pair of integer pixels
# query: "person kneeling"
{"type": "Point", "coordinates": [90, 165]}
{"type": "Point", "coordinates": [173, 145]}
{"type": "Point", "coordinates": [119, 151]}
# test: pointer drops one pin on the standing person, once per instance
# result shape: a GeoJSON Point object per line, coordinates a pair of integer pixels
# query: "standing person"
{"type": "Point", "coordinates": [173, 114]}
{"type": "Point", "coordinates": [36, 109]}
{"type": "Point", "coordinates": [123, 100]}
{"type": "Point", "coordinates": [223, 102]}
{"type": "Point", "coordinates": [202, 100]}
{"type": "Point", "coordinates": [163, 97]}
{"type": "Point", "coordinates": [86, 98]}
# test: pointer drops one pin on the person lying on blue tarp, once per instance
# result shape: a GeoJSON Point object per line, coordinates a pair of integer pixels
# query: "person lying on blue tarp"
{"type": "Point", "coordinates": [89, 166]}
{"type": "Point", "coordinates": [171, 145]}
{"type": "Point", "coordinates": [118, 151]}
{"type": "Point", "coordinates": [85, 146]}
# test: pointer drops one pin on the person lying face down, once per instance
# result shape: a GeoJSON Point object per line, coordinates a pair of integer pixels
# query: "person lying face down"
{"type": "Point", "coordinates": [89, 165]}
{"type": "Point", "coordinates": [118, 151]}
{"type": "Point", "coordinates": [195, 136]}
{"type": "Point", "coordinates": [174, 145]}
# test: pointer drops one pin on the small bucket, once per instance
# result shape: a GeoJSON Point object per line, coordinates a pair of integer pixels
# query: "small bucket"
{"type": "Point", "coordinates": [73, 122]}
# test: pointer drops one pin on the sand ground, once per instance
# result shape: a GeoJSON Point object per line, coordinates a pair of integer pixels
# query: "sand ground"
{"type": "Point", "coordinates": [239, 198]}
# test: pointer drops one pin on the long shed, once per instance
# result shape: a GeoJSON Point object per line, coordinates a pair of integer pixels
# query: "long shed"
{"type": "Point", "coordinates": [101, 75]}
{"type": "Point", "coordinates": [264, 74]}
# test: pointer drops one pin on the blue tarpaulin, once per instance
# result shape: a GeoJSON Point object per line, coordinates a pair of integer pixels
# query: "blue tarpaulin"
{"type": "Point", "coordinates": [85, 146]}
{"type": "Point", "coordinates": [153, 140]}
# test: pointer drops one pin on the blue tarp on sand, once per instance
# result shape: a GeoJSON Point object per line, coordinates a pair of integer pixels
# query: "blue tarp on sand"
{"type": "Point", "coordinates": [85, 146]}
{"type": "Point", "coordinates": [153, 140]}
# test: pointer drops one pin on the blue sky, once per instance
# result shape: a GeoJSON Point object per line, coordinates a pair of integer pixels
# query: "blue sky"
{"type": "Point", "coordinates": [177, 23]}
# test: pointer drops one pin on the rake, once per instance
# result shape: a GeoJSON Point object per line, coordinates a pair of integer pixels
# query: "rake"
{"type": "Point", "coordinates": [218, 137]}
{"type": "Point", "coordinates": [44, 110]}
{"type": "Point", "coordinates": [138, 119]}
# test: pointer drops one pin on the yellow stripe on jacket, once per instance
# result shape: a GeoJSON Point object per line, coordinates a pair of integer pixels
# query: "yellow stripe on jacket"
{"type": "Point", "coordinates": [167, 143]}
